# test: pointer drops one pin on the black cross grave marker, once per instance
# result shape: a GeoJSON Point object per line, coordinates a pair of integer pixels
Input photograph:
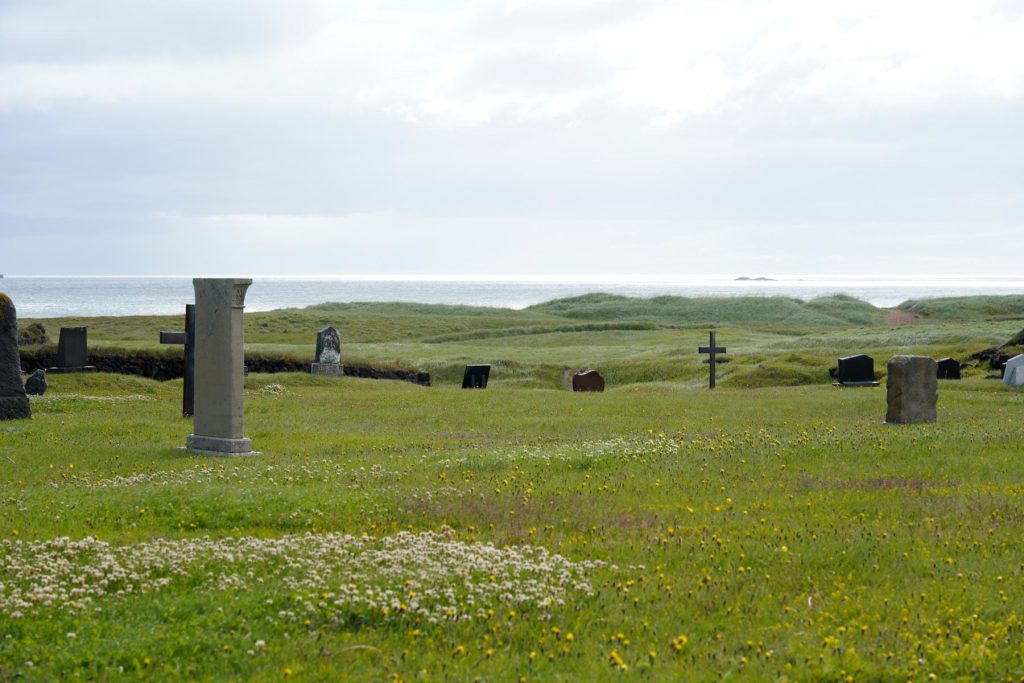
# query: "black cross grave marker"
{"type": "Point", "coordinates": [188, 338]}
{"type": "Point", "coordinates": [712, 351]}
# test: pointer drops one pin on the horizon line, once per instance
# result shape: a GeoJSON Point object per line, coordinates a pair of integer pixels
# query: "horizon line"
{"type": "Point", "coordinates": [562, 277]}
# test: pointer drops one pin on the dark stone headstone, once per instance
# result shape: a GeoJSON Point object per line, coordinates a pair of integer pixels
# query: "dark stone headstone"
{"type": "Point", "coordinates": [72, 351]}
{"type": "Point", "coordinates": [328, 353]}
{"type": "Point", "coordinates": [856, 370]}
{"type": "Point", "coordinates": [475, 376]}
{"type": "Point", "coordinates": [328, 346]}
{"type": "Point", "coordinates": [948, 368]}
{"type": "Point", "coordinates": [36, 384]}
{"type": "Point", "coordinates": [13, 401]}
{"type": "Point", "coordinates": [591, 380]}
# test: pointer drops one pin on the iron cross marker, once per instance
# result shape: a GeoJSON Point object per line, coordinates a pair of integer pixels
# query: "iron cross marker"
{"type": "Point", "coordinates": [712, 352]}
{"type": "Point", "coordinates": [188, 339]}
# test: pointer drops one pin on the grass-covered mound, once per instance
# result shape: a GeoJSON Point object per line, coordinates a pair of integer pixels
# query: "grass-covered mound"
{"type": "Point", "coordinates": [967, 308]}
{"type": "Point", "coordinates": [741, 310]}
{"type": "Point", "coordinates": [772, 341]}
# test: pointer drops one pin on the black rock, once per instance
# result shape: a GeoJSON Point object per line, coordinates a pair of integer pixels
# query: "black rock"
{"type": "Point", "coordinates": [13, 401]}
{"type": "Point", "coordinates": [36, 384]}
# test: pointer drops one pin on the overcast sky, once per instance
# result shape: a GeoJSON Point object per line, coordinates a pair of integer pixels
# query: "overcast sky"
{"type": "Point", "coordinates": [511, 136]}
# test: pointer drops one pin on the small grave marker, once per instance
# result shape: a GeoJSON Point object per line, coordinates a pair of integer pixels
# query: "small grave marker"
{"type": "Point", "coordinates": [712, 350]}
{"type": "Point", "coordinates": [1013, 371]}
{"type": "Point", "coordinates": [188, 340]}
{"type": "Point", "coordinates": [911, 390]}
{"type": "Point", "coordinates": [856, 371]}
{"type": "Point", "coordinates": [948, 368]}
{"type": "Point", "coordinates": [476, 376]}
{"type": "Point", "coordinates": [73, 351]}
{"type": "Point", "coordinates": [328, 353]}
{"type": "Point", "coordinates": [591, 380]}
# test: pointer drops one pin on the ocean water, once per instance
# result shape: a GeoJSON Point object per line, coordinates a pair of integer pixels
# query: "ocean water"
{"type": "Point", "coordinates": [51, 296]}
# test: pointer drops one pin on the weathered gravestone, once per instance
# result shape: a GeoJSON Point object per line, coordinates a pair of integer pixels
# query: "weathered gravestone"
{"type": "Point", "coordinates": [220, 355]}
{"type": "Point", "coordinates": [476, 376]}
{"type": "Point", "coordinates": [72, 351]}
{"type": "Point", "coordinates": [36, 383]}
{"type": "Point", "coordinates": [328, 353]}
{"type": "Point", "coordinates": [13, 401]}
{"type": "Point", "coordinates": [856, 371]}
{"type": "Point", "coordinates": [947, 368]}
{"type": "Point", "coordinates": [1013, 371]}
{"type": "Point", "coordinates": [188, 340]}
{"type": "Point", "coordinates": [911, 389]}
{"type": "Point", "coordinates": [712, 350]}
{"type": "Point", "coordinates": [591, 380]}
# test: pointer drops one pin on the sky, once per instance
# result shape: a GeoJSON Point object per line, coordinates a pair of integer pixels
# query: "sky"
{"type": "Point", "coordinates": [491, 137]}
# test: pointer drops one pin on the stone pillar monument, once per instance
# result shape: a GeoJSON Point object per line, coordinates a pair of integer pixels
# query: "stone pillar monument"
{"type": "Point", "coordinates": [14, 403]}
{"type": "Point", "coordinates": [219, 362]}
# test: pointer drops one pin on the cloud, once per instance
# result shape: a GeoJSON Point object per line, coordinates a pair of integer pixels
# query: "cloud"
{"type": "Point", "coordinates": [514, 60]}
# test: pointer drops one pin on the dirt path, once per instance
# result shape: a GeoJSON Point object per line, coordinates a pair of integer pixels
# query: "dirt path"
{"type": "Point", "coordinates": [895, 316]}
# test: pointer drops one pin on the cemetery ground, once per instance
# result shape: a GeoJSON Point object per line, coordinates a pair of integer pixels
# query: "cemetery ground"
{"type": "Point", "coordinates": [656, 530]}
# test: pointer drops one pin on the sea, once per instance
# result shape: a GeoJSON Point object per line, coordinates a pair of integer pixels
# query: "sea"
{"type": "Point", "coordinates": [59, 296]}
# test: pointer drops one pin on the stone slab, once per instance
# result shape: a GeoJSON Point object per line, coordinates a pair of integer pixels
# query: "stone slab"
{"type": "Point", "coordinates": [912, 390]}
{"type": "Point", "coordinates": [1013, 371]}
{"type": "Point", "coordinates": [328, 346]}
{"type": "Point", "coordinates": [212, 445]}
{"type": "Point", "coordinates": [476, 376]}
{"type": "Point", "coordinates": [327, 369]}
{"type": "Point", "coordinates": [73, 347]}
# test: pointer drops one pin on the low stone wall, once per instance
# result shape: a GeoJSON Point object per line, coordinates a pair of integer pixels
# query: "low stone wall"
{"type": "Point", "coordinates": [171, 365]}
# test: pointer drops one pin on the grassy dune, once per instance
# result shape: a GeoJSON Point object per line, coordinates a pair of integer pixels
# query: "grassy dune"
{"type": "Point", "coordinates": [771, 341]}
{"type": "Point", "coordinates": [396, 532]}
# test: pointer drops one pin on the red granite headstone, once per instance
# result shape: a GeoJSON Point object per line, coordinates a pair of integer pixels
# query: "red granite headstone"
{"type": "Point", "coordinates": [591, 380]}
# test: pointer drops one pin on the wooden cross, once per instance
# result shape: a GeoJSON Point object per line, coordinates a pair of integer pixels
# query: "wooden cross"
{"type": "Point", "coordinates": [712, 351]}
{"type": "Point", "coordinates": [188, 338]}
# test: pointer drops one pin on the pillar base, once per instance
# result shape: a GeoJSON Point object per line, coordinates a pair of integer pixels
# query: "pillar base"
{"type": "Point", "coordinates": [328, 369]}
{"type": "Point", "coordinates": [215, 445]}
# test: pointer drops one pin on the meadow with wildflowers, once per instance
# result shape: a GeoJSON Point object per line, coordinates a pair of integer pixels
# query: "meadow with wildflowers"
{"type": "Point", "coordinates": [397, 532]}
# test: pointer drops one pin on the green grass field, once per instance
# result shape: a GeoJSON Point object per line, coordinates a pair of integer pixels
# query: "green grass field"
{"type": "Point", "coordinates": [656, 531]}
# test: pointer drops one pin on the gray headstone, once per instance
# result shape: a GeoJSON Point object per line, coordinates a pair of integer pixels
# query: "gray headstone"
{"type": "Point", "coordinates": [36, 383]}
{"type": "Point", "coordinates": [1013, 371]}
{"type": "Point", "coordinates": [13, 401]}
{"type": "Point", "coordinates": [328, 346]}
{"type": "Point", "coordinates": [220, 356]}
{"type": "Point", "coordinates": [912, 390]}
{"type": "Point", "coordinates": [328, 353]}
